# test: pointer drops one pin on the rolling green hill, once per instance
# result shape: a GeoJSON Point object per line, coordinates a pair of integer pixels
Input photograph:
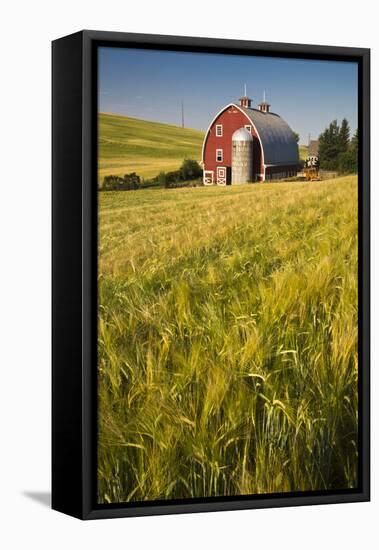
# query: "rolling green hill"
{"type": "Point", "coordinates": [303, 152]}
{"type": "Point", "coordinates": [133, 145]}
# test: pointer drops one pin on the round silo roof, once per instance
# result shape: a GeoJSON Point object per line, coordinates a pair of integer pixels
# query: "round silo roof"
{"type": "Point", "coordinates": [242, 135]}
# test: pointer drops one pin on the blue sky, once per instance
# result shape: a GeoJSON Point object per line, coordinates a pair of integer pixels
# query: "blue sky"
{"type": "Point", "coordinates": [151, 84]}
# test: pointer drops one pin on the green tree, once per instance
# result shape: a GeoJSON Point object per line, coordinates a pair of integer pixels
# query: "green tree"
{"type": "Point", "coordinates": [116, 183]}
{"type": "Point", "coordinates": [162, 179]}
{"type": "Point", "coordinates": [336, 150]}
{"type": "Point", "coordinates": [132, 181]}
{"type": "Point", "coordinates": [348, 160]}
{"type": "Point", "coordinates": [190, 170]}
{"type": "Point", "coordinates": [296, 135]}
{"type": "Point", "coordinates": [329, 147]}
{"type": "Point", "coordinates": [344, 136]}
{"type": "Point", "coordinates": [355, 142]}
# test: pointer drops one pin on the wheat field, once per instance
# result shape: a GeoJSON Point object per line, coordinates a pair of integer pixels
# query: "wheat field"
{"type": "Point", "coordinates": [227, 340]}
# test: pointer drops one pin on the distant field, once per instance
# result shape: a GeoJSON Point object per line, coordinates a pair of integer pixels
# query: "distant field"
{"type": "Point", "coordinates": [303, 152]}
{"type": "Point", "coordinates": [132, 145]}
{"type": "Point", "coordinates": [227, 340]}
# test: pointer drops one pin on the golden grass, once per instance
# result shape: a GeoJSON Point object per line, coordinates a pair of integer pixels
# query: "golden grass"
{"type": "Point", "coordinates": [227, 340]}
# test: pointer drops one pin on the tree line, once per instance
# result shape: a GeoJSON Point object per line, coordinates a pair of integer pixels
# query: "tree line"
{"type": "Point", "coordinates": [189, 173]}
{"type": "Point", "coordinates": [337, 150]}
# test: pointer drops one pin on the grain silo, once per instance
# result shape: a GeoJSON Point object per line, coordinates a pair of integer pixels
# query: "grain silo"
{"type": "Point", "coordinates": [242, 156]}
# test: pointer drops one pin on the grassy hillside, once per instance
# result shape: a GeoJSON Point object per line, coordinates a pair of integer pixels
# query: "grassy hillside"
{"type": "Point", "coordinates": [303, 152]}
{"type": "Point", "coordinates": [227, 340]}
{"type": "Point", "coordinates": [132, 145]}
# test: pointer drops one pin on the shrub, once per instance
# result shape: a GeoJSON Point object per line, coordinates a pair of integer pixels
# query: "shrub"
{"type": "Point", "coordinates": [161, 179]}
{"type": "Point", "coordinates": [116, 183]}
{"type": "Point", "coordinates": [112, 183]}
{"type": "Point", "coordinates": [348, 162]}
{"type": "Point", "coordinates": [172, 178]}
{"type": "Point", "coordinates": [132, 180]}
{"type": "Point", "coordinates": [190, 170]}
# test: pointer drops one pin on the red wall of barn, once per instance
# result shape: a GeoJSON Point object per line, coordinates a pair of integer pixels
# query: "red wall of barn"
{"type": "Point", "coordinates": [231, 119]}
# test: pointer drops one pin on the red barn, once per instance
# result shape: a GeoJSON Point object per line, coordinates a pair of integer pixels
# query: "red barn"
{"type": "Point", "coordinates": [269, 152]}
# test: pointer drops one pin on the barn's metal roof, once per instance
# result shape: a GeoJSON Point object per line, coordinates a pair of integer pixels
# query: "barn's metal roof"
{"type": "Point", "coordinates": [277, 138]}
{"type": "Point", "coordinates": [242, 135]}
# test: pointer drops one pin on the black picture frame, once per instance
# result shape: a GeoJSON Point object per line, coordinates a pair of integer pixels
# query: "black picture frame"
{"type": "Point", "coordinates": [74, 309]}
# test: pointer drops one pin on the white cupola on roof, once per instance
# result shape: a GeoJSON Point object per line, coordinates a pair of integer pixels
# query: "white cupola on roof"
{"type": "Point", "coordinates": [245, 101]}
{"type": "Point", "coordinates": [263, 106]}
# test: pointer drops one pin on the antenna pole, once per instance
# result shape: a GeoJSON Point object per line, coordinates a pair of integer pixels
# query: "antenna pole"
{"type": "Point", "coordinates": [245, 91]}
{"type": "Point", "coordinates": [182, 114]}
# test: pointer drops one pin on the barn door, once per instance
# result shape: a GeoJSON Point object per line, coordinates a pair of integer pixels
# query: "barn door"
{"type": "Point", "coordinates": [221, 175]}
{"type": "Point", "coordinates": [208, 177]}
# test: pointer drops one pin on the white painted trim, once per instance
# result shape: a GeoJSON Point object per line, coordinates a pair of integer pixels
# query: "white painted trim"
{"type": "Point", "coordinates": [222, 155]}
{"type": "Point", "coordinates": [222, 130]}
{"type": "Point", "coordinates": [217, 176]}
{"type": "Point", "coordinates": [208, 172]}
{"type": "Point", "coordinates": [252, 123]}
{"type": "Point", "coordinates": [210, 126]}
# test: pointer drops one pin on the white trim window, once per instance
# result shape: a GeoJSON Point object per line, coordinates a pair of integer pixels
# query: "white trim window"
{"type": "Point", "coordinates": [219, 155]}
{"type": "Point", "coordinates": [208, 177]}
{"type": "Point", "coordinates": [248, 127]}
{"type": "Point", "coordinates": [219, 132]}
